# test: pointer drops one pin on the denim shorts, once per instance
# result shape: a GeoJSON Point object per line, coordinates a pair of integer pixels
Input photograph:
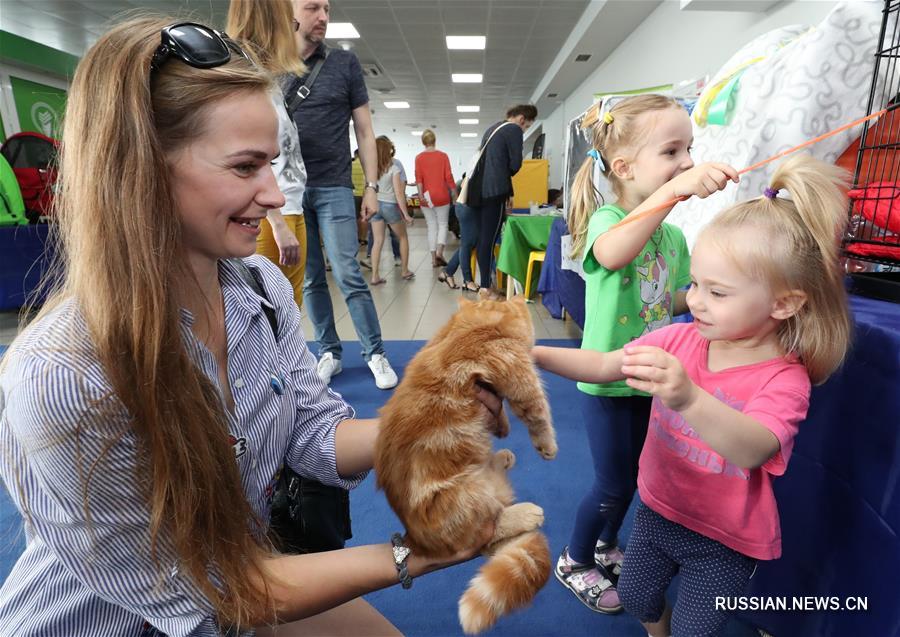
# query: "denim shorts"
{"type": "Point", "coordinates": [387, 212]}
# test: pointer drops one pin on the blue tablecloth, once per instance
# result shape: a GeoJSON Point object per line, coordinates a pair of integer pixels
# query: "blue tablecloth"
{"type": "Point", "coordinates": [840, 498]}
{"type": "Point", "coordinates": [22, 262]}
{"type": "Point", "coordinates": [560, 289]}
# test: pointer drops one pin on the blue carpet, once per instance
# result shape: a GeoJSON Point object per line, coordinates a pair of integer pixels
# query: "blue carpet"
{"type": "Point", "coordinates": [429, 609]}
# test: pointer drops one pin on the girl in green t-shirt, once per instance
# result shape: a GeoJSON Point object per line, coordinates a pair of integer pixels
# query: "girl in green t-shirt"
{"type": "Point", "coordinates": [634, 275]}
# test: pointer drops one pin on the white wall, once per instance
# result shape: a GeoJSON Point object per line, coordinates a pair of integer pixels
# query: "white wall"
{"type": "Point", "coordinates": [671, 45]}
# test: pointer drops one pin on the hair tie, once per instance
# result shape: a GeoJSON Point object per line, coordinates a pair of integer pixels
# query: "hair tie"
{"type": "Point", "coordinates": [608, 117]}
{"type": "Point", "coordinates": [595, 154]}
{"type": "Point", "coordinates": [770, 193]}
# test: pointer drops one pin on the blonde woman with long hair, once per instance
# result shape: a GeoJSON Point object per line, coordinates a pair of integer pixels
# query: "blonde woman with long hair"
{"type": "Point", "coordinates": [268, 27]}
{"type": "Point", "coordinates": [392, 211]}
{"type": "Point", "coordinates": [148, 407]}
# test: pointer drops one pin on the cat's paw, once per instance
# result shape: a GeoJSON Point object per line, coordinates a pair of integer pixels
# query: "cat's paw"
{"type": "Point", "coordinates": [504, 459]}
{"type": "Point", "coordinates": [546, 446]}
{"type": "Point", "coordinates": [530, 516]}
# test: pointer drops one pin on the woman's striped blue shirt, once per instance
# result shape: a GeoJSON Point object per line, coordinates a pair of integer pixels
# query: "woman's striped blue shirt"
{"type": "Point", "coordinates": [77, 578]}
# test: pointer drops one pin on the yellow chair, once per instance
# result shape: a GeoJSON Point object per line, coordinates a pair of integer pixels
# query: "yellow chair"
{"type": "Point", "coordinates": [536, 256]}
{"type": "Point", "coordinates": [474, 262]}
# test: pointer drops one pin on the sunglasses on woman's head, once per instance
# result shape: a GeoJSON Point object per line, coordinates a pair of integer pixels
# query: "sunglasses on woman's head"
{"type": "Point", "coordinates": [196, 45]}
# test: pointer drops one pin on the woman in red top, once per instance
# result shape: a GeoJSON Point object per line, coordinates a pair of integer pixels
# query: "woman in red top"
{"type": "Point", "coordinates": [435, 183]}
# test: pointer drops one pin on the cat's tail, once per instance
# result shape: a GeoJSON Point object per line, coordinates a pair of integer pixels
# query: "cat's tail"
{"type": "Point", "coordinates": [518, 569]}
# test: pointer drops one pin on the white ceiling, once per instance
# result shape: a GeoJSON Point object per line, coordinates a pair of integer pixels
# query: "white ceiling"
{"type": "Point", "coordinates": [404, 41]}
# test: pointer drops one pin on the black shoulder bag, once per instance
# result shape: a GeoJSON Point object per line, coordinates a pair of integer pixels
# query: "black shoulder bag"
{"type": "Point", "coordinates": [307, 516]}
{"type": "Point", "coordinates": [300, 88]}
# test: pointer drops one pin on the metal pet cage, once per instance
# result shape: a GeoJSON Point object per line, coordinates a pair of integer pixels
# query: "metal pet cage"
{"type": "Point", "coordinates": [872, 241]}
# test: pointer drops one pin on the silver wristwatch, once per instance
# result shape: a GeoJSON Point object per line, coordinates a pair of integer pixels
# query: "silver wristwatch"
{"type": "Point", "coordinates": [373, 185]}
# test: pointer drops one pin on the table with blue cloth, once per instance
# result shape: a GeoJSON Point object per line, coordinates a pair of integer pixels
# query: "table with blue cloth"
{"type": "Point", "coordinates": [839, 500]}
{"type": "Point", "coordinates": [560, 289]}
{"type": "Point", "coordinates": [23, 261]}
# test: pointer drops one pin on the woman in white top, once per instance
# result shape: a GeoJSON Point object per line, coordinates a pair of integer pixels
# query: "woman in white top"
{"type": "Point", "coordinates": [391, 210]}
{"type": "Point", "coordinates": [268, 27]}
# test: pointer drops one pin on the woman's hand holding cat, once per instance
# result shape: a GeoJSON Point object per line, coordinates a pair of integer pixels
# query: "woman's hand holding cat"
{"type": "Point", "coordinates": [496, 424]}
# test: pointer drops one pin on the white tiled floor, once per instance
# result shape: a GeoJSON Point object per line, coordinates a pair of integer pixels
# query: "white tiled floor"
{"type": "Point", "coordinates": [408, 310]}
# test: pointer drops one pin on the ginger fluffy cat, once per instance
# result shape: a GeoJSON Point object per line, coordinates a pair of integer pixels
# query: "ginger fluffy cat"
{"type": "Point", "coordinates": [435, 462]}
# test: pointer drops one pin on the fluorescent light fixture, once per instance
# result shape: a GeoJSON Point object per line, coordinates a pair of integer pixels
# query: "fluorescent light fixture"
{"type": "Point", "coordinates": [467, 109]}
{"type": "Point", "coordinates": [468, 121]}
{"type": "Point", "coordinates": [417, 133]}
{"type": "Point", "coordinates": [466, 41]}
{"type": "Point", "coordinates": [466, 78]}
{"type": "Point", "coordinates": [344, 30]}
{"type": "Point", "coordinates": [396, 104]}
{"type": "Point", "coordinates": [468, 134]}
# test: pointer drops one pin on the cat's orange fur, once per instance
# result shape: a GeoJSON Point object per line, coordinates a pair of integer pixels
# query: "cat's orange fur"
{"type": "Point", "coordinates": [434, 459]}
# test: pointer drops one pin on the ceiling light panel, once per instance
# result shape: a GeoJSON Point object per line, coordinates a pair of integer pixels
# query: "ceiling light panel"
{"type": "Point", "coordinates": [468, 109]}
{"type": "Point", "coordinates": [341, 30]}
{"type": "Point", "coordinates": [396, 104]}
{"type": "Point", "coordinates": [471, 42]}
{"type": "Point", "coordinates": [466, 78]}
{"type": "Point", "coordinates": [468, 121]}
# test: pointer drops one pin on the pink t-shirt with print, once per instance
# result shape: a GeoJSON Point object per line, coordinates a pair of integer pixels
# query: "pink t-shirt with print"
{"type": "Point", "coordinates": [685, 481]}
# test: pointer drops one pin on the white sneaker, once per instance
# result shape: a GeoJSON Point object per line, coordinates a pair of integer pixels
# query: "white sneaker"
{"type": "Point", "coordinates": [328, 366]}
{"type": "Point", "coordinates": [385, 377]}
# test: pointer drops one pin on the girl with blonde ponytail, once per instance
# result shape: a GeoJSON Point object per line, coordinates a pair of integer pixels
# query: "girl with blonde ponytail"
{"type": "Point", "coordinates": [634, 276]}
{"type": "Point", "coordinates": [145, 412]}
{"type": "Point", "coordinates": [729, 393]}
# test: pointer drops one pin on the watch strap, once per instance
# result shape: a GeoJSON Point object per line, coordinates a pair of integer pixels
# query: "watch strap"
{"type": "Point", "coordinates": [401, 552]}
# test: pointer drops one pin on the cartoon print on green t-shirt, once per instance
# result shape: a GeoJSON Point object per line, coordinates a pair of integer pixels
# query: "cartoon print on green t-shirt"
{"type": "Point", "coordinates": [656, 299]}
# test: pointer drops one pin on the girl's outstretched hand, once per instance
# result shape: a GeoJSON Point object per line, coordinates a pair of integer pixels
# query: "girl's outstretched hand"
{"type": "Point", "coordinates": [703, 180]}
{"type": "Point", "coordinates": [657, 372]}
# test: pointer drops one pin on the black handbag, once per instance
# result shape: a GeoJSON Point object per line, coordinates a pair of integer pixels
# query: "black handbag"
{"type": "Point", "coordinates": [307, 516]}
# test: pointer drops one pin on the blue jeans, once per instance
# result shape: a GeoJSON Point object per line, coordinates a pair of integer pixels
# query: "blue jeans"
{"type": "Point", "coordinates": [331, 219]}
{"type": "Point", "coordinates": [616, 428]}
{"type": "Point", "coordinates": [468, 238]}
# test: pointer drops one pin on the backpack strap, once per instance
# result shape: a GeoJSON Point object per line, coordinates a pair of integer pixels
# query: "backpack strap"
{"type": "Point", "coordinates": [251, 277]}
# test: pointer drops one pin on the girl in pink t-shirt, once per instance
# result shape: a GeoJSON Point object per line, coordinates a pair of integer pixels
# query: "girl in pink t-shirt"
{"type": "Point", "coordinates": [729, 392]}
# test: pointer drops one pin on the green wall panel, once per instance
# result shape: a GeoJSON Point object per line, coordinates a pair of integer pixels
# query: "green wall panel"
{"type": "Point", "coordinates": [31, 54]}
{"type": "Point", "coordinates": [40, 107]}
